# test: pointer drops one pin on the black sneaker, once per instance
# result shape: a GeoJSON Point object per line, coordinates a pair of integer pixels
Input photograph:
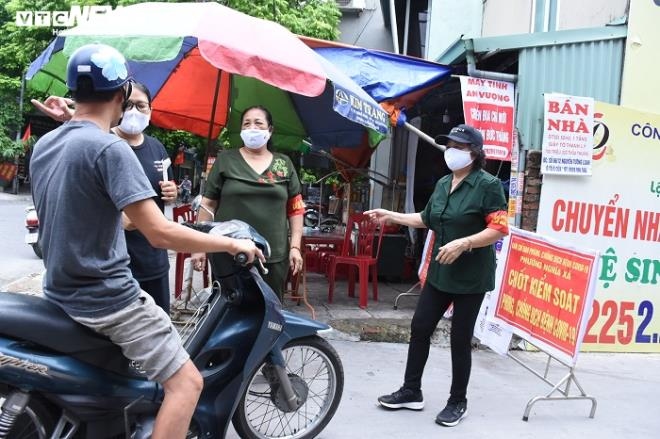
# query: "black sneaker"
{"type": "Point", "coordinates": [403, 399]}
{"type": "Point", "coordinates": [452, 414]}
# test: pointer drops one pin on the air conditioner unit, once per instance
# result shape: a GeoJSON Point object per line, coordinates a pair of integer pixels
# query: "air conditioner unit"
{"type": "Point", "coordinates": [352, 5]}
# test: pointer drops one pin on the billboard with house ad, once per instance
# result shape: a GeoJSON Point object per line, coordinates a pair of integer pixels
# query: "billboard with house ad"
{"type": "Point", "coordinates": [616, 211]}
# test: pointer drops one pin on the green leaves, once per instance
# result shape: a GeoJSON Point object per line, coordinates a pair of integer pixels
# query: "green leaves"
{"type": "Point", "coordinates": [10, 149]}
{"type": "Point", "coordinates": [307, 176]}
{"type": "Point", "coordinates": [172, 140]}
{"type": "Point", "coordinates": [312, 18]}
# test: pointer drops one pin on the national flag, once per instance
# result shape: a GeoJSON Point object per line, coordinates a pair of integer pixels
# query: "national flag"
{"type": "Point", "coordinates": [27, 133]}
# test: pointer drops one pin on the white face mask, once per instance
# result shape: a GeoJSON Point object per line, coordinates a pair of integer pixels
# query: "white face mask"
{"type": "Point", "coordinates": [457, 159]}
{"type": "Point", "coordinates": [134, 122]}
{"type": "Point", "coordinates": [255, 139]}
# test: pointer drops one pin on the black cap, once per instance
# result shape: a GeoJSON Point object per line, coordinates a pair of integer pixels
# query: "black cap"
{"type": "Point", "coordinates": [463, 134]}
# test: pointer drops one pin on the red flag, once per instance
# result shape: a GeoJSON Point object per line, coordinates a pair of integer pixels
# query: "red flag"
{"type": "Point", "coordinates": [27, 134]}
{"type": "Point", "coordinates": [179, 159]}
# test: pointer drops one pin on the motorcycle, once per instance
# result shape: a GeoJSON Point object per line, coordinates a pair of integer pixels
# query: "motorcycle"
{"type": "Point", "coordinates": [32, 226]}
{"type": "Point", "coordinates": [318, 216]}
{"type": "Point", "coordinates": [266, 370]}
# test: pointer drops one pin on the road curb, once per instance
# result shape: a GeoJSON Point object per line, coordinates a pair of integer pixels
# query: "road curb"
{"type": "Point", "coordinates": [351, 329]}
{"type": "Point", "coordinates": [388, 330]}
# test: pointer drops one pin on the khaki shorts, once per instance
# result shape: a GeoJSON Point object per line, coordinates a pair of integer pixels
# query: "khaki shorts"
{"type": "Point", "coordinates": [145, 334]}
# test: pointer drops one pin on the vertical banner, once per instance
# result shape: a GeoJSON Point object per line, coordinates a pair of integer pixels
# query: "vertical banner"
{"type": "Point", "coordinates": [544, 292]}
{"type": "Point", "coordinates": [488, 106]}
{"type": "Point", "coordinates": [567, 135]}
{"type": "Point", "coordinates": [426, 257]}
{"type": "Point", "coordinates": [490, 333]}
{"type": "Point", "coordinates": [516, 182]}
{"type": "Point", "coordinates": [423, 269]}
{"type": "Point", "coordinates": [617, 212]}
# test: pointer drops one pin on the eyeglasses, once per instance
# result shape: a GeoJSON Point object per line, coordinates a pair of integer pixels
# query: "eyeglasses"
{"type": "Point", "coordinates": [142, 107]}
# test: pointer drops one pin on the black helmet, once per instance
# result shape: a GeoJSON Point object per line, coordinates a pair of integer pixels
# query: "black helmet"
{"type": "Point", "coordinates": [103, 64]}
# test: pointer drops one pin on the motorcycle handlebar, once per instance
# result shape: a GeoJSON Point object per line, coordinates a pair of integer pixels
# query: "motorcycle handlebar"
{"type": "Point", "coordinates": [242, 259]}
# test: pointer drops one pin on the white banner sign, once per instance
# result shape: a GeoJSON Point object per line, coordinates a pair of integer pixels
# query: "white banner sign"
{"type": "Point", "coordinates": [568, 123]}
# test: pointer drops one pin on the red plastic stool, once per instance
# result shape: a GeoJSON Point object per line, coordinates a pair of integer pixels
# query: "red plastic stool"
{"type": "Point", "coordinates": [178, 273]}
{"type": "Point", "coordinates": [185, 213]}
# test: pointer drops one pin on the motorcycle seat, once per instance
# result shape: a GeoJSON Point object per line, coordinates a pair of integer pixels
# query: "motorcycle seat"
{"type": "Point", "coordinates": [32, 318]}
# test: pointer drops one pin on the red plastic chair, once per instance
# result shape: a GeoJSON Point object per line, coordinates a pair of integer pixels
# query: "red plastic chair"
{"type": "Point", "coordinates": [184, 213]}
{"type": "Point", "coordinates": [364, 257]}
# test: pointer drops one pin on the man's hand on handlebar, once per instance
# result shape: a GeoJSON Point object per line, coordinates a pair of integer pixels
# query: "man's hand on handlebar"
{"type": "Point", "coordinates": [239, 246]}
{"type": "Point", "coordinates": [247, 247]}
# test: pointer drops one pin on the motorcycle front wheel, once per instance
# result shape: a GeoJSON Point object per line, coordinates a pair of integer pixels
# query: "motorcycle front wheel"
{"type": "Point", "coordinates": [34, 423]}
{"type": "Point", "coordinates": [36, 248]}
{"type": "Point", "coordinates": [317, 376]}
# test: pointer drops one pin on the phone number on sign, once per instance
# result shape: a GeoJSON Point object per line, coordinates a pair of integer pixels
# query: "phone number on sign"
{"type": "Point", "coordinates": [619, 317]}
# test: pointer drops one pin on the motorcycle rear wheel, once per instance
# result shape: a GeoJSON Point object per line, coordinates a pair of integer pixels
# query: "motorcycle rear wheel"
{"type": "Point", "coordinates": [311, 218]}
{"type": "Point", "coordinates": [315, 368]}
{"type": "Point", "coordinates": [35, 422]}
{"type": "Point", "coordinates": [329, 224]}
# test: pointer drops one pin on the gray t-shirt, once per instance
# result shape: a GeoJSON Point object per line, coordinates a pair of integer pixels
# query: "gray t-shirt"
{"type": "Point", "coordinates": [82, 178]}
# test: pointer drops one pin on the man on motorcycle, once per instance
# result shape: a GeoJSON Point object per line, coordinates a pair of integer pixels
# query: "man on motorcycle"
{"type": "Point", "coordinates": [83, 177]}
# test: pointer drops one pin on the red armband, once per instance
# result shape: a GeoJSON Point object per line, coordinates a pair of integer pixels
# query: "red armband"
{"type": "Point", "coordinates": [498, 221]}
{"type": "Point", "coordinates": [295, 206]}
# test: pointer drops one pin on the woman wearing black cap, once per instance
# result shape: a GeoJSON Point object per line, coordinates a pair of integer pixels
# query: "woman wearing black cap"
{"type": "Point", "coordinates": [468, 214]}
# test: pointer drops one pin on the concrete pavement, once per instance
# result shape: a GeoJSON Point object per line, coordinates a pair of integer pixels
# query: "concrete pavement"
{"type": "Point", "coordinates": [626, 387]}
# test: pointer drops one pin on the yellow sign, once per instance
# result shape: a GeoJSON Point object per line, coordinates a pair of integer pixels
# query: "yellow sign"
{"type": "Point", "coordinates": [616, 211]}
{"type": "Point", "coordinates": [642, 62]}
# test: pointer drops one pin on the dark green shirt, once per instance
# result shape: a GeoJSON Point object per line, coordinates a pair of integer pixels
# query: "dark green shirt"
{"type": "Point", "coordinates": [258, 199]}
{"type": "Point", "coordinates": [459, 214]}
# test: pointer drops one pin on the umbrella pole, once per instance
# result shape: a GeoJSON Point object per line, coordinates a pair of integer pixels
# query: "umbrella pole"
{"type": "Point", "coordinates": [422, 135]}
{"type": "Point", "coordinates": [212, 121]}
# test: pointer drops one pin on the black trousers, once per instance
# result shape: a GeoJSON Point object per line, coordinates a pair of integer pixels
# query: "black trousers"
{"type": "Point", "coordinates": [159, 289]}
{"type": "Point", "coordinates": [431, 306]}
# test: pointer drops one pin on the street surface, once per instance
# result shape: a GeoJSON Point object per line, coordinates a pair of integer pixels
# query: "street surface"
{"type": "Point", "coordinates": [16, 258]}
{"type": "Point", "coordinates": [626, 387]}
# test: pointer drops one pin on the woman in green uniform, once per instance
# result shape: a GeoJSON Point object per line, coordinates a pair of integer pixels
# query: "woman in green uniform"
{"type": "Point", "coordinates": [260, 187]}
{"type": "Point", "coordinates": [467, 213]}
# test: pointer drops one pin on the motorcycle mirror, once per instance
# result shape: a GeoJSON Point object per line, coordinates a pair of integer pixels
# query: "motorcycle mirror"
{"type": "Point", "coordinates": [197, 204]}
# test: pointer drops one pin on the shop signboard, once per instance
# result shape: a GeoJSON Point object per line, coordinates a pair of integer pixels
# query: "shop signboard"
{"type": "Point", "coordinates": [567, 135]}
{"type": "Point", "coordinates": [488, 105]}
{"type": "Point", "coordinates": [617, 212]}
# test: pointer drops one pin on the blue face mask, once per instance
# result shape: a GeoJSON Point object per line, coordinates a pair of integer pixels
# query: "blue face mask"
{"type": "Point", "coordinates": [255, 139]}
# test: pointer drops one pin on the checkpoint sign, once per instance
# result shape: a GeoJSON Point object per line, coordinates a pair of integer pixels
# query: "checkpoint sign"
{"type": "Point", "coordinates": [545, 293]}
